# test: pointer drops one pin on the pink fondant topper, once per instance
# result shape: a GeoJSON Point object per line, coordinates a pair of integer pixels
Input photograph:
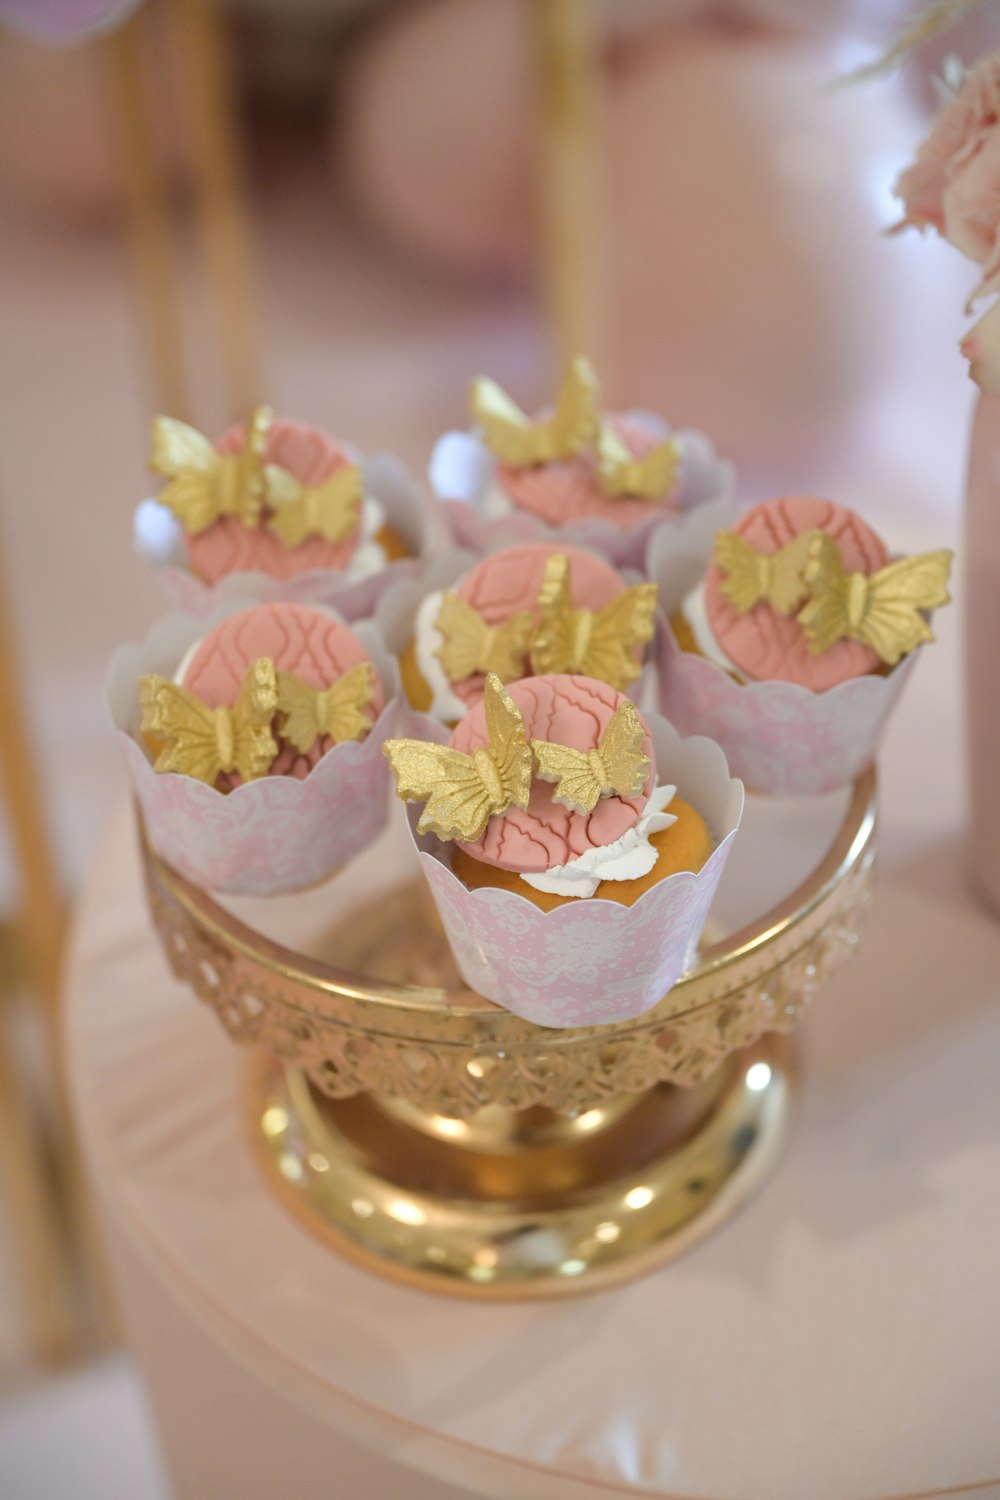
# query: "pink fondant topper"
{"type": "Point", "coordinates": [313, 645]}
{"type": "Point", "coordinates": [228, 546]}
{"type": "Point", "coordinates": [570, 711]}
{"type": "Point", "coordinates": [509, 582]}
{"type": "Point", "coordinates": [767, 646]}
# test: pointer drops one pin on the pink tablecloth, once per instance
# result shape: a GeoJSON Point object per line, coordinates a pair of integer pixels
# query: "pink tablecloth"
{"type": "Point", "coordinates": [839, 1340]}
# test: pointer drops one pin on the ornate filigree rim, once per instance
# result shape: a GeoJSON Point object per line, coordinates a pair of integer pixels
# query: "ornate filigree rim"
{"type": "Point", "coordinates": [454, 1052]}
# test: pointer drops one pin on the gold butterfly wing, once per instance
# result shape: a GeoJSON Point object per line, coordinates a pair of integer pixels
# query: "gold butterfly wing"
{"type": "Point", "coordinates": [744, 581]}
{"type": "Point", "coordinates": [184, 724]}
{"type": "Point", "coordinates": [345, 705]}
{"type": "Point", "coordinates": [507, 431]}
{"type": "Point", "coordinates": [331, 509]}
{"type": "Point", "coordinates": [787, 585]}
{"type": "Point", "coordinates": [615, 632]}
{"type": "Point", "coordinates": [300, 708]}
{"type": "Point", "coordinates": [447, 781]}
{"type": "Point", "coordinates": [470, 646]}
{"type": "Point", "coordinates": [184, 456]}
{"type": "Point", "coordinates": [254, 746]}
{"type": "Point", "coordinates": [178, 449]}
{"type": "Point", "coordinates": [554, 638]}
{"type": "Point", "coordinates": [507, 745]}
{"type": "Point", "coordinates": [518, 441]}
{"type": "Point", "coordinates": [893, 623]}
{"type": "Point", "coordinates": [576, 420]}
{"type": "Point", "coordinates": [625, 766]}
{"type": "Point", "coordinates": [577, 786]}
{"type": "Point", "coordinates": [620, 472]}
{"type": "Point", "coordinates": [824, 616]}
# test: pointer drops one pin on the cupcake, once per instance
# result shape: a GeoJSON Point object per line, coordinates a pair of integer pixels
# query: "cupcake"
{"type": "Point", "coordinates": [255, 747]}
{"type": "Point", "coordinates": [274, 508]}
{"type": "Point", "coordinates": [535, 608]}
{"type": "Point", "coordinates": [576, 475]}
{"type": "Point", "coordinates": [557, 848]}
{"type": "Point", "coordinates": [805, 628]}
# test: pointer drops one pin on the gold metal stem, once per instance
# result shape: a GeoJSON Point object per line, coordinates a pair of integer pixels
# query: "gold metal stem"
{"type": "Point", "coordinates": [37, 939]}
{"type": "Point", "coordinates": [148, 219]}
{"type": "Point", "coordinates": [222, 217]}
{"type": "Point", "coordinates": [569, 176]}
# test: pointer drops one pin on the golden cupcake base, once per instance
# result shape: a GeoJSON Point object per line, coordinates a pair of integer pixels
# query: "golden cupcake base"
{"type": "Point", "coordinates": [443, 1140]}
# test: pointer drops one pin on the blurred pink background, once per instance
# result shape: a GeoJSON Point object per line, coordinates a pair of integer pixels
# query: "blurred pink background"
{"type": "Point", "coordinates": [390, 148]}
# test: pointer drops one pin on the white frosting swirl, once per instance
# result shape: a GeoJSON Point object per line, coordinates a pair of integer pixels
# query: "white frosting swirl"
{"type": "Point", "coordinates": [446, 705]}
{"type": "Point", "coordinates": [626, 859]}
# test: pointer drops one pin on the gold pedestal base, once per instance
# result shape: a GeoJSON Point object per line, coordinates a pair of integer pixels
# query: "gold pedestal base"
{"type": "Point", "coordinates": [524, 1203]}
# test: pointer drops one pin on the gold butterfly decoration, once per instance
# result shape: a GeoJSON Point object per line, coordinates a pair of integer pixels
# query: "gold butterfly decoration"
{"type": "Point", "coordinates": [463, 792]}
{"type": "Point", "coordinates": [339, 712]}
{"type": "Point", "coordinates": [598, 643]}
{"type": "Point", "coordinates": [205, 742]}
{"type": "Point", "coordinates": [617, 768]}
{"type": "Point", "coordinates": [518, 441]}
{"type": "Point", "coordinates": [619, 472]}
{"type": "Point", "coordinates": [331, 509]}
{"type": "Point", "coordinates": [883, 609]}
{"type": "Point", "coordinates": [752, 578]}
{"type": "Point", "coordinates": [205, 484]}
{"type": "Point", "coordinates": [471, 646]}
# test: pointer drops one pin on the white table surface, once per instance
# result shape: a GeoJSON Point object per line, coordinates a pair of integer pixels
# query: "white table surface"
{"type": "Point", "coordinates": [839, 1340]}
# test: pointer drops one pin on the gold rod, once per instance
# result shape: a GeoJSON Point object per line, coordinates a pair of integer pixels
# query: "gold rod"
{"type": "Point", "coordinates": [223, 219]}
{"type": "Point", "coordinates": [149, 219]}
{"type": "Point", "coordinates": [569, 172]}
{"type": "Point", "coordinates": [38, 943]}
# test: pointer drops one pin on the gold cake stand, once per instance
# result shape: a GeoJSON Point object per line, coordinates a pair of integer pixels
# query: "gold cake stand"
{"type": "Point", "coordinates": [437, 1137]}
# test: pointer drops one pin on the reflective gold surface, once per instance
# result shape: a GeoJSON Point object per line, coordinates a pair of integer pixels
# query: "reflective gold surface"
{"type": "Point", "coordinates": [574, 1206]}
{"type": "Point", "coordinates": [489, 1155]}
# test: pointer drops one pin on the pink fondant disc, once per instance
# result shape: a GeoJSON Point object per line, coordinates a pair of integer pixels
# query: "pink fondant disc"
{"type": "Point", "coordinates": [228, 546]}
{"type": "Point", "coordinates": [507, 582]}
{"type": "Point", "coordinates": [572, 711]}
{"type": "Point", "coordinates": [569, 490]}
{"type": "Point", "coordinates": [298, 639]}
{"type": "Point", "coordinates": [767, 646]}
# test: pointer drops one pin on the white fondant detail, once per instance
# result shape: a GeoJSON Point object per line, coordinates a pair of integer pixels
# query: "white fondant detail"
{"type": "Point", "coordinates": [372, 516]}
{"type": "Point", "coordinates": [446, 705]}
{"type": "Point", "coordinates": [696, 616]}
{"type": "Point", "coordinates": [461, 467]}
{"type": "Point", "coordinates": [368, 558]}
{"type": "Point", "coordinates": [626, 859]}
{"type": "Point", "coordinates": [157, 534]}
{"type": "Point", "coordinates": [495, 504]}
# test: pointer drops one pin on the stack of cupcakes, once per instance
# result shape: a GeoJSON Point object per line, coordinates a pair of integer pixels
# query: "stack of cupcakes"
{"type": "Point", "coordinates": [569, 698]}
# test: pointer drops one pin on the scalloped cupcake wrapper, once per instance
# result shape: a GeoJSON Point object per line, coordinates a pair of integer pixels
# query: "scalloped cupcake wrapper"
{"type": "Point", "coordinates": [591, 962]}
{"type": "Point", "coordinates": [779, 737]}
{"type": "Point", "coordinates": [405, 510]}
{"type": "Point", "coordinates": [269, 836]}
{"type": "Point", "coordinates": [462, 477]}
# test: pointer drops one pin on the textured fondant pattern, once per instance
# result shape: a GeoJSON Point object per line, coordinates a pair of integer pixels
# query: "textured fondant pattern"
{"type": "Point", "coordinates": [569, 491]}
{"type": "Point", "coordinates": [228, 546]}
{"type": "Point", "coordinates": [506, 582]}
{"type": "Point", "coordinates": [767, 646]}
{"type": "Point", "coordinates": [298, 639]}
{"type": "Point", "coordinates": [572, 711]}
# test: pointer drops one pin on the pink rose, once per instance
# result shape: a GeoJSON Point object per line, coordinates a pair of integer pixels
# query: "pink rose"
{"type": "Point", "coordinates": [954, 184]}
